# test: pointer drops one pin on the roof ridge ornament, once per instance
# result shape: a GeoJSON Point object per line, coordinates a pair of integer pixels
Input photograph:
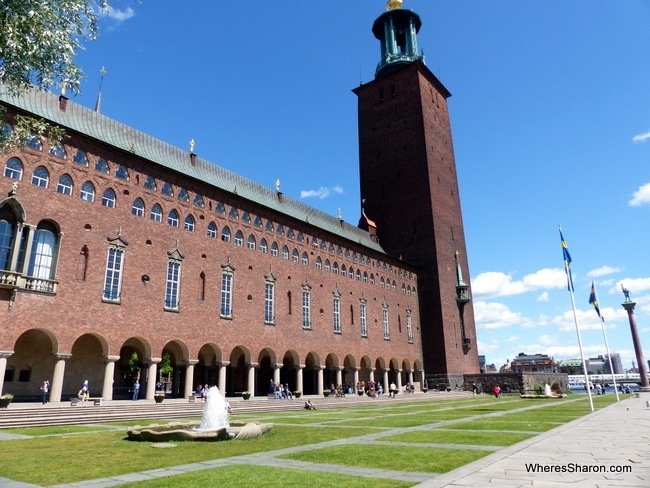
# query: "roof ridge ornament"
{"type": "Point", "coordinates": [394, 4]}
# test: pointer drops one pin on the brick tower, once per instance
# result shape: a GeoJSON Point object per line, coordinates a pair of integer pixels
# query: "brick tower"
{"type": "Point", "coordinates": [410, 190]}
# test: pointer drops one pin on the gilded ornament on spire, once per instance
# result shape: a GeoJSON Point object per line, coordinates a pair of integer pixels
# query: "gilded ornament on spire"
{"type": "Point", "coordinates": [394, 4]}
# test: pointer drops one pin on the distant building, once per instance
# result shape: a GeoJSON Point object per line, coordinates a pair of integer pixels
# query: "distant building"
{"type": "Point", "coordinates": [533, 363]}
{"type": "Point", "coordinates": [600, 364]}
{"type": "Point", "coordinates": [617, 364]}
{"type": "Point", "coordinates": [481, 363]}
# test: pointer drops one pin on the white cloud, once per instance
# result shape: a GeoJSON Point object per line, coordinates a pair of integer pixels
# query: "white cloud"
{"type": "Point", "coordinates": [322, 192]}
{"type": "Point", "coordinates": [498, 316]}
{"type": "Point", "coordinates": [641, 196]}
{"type": "Point", "coordinates": [603, 271]}
{"type": "Point", "coordinates": [588, 319]}
{"type": "Point", "coordinates": [494, 284]}
{"type": "Point", "coordinates": [543, 297]}
{"type": "Point", "coordinates": [119, 15]}
{"type": "Point", "coordinates": [641, 137]}
{"type": "Point", "coordinates": [635, 285]}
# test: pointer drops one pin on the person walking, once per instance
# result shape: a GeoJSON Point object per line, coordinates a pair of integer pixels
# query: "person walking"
{"type": "Point", "coordinates": [497, 391]}
{"type": "Point", "coordinates": [136, 390]}
{"type": "Point", "coordinates": [45, 389]}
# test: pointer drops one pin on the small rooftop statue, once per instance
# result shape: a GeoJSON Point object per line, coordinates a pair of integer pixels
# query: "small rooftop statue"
{"type": "Point", "coordinates": [626, 293]}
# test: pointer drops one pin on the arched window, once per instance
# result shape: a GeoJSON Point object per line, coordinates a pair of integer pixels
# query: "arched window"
{"type": "Point", "coordinates": [150, 183]}
{"type": "Point", "coordinates": [122, 173]}
{"type": "Point", "coordinates": [239, 238]}
{"type": "Point", "coordinates": [80, 158]}
{"type": "Point", "coordinates": [108, 199]}
{"type": "Point", "coordinates": [274, 249]}
{"type": "Point", "coordinates": [34, 142]}
{"type": "Point", "coordinates": [102, 166]}
{"type": "Point", "coordinates": [58, 150]}
{"type": "Point", "coordinates": [225, 234]}
{"type": "Point", "coordinates": [365, 277]}
{"type": "Point", "coordinates": [189, 223]}
{"type": "Point", "coordinates": [279, 230]}
{"type": "Point", "coordinates": [183, 196]}
{"type": "Point", "coordinates": [258, 222]}
{"type": "Point", "coordinates": [7, 232]}
{"type": "Point", "coordinates": [335, 268]}
{"type": "Point", "coordinates": [382, 284]}
{"type": "Point", "coordinates": [319, 263]}
{"type": "Point", "coordinates": [305, 259]}
{"type": "Point", "coordinates": [198, 201]}
{"type": "Point", "coordinates": [269, 226]}
{"type": "Point", "coordinates": [343, 270]}
{"type": "Point", "coordinates": [156, 213]}
{"type": "Point", "coordinates": [40, 177]}
{"type": "Point", "coordinates": [137, 208]}
{"type": "Point", "coordinates": [167, 190]}
{"type": "Point", "coordinates": [351, 273]}
{"type": "Point", "coordinates": [6, 130]}
{"type": "Point", "coordinates": [246, 218]}
{"type": "Point", "coordinates": [220, 208]}
{"type": "Point", "coordinates": [327, 265]}
{"type": "Point", "coordinates": [87, 192]}
{"type": "Point", "coordinates": [64, 185]}
{"type": "Point", "coordinates": [172, 218]}
{"type": "Point", "coordinates": [263, 246]}
{"type": "Point", "coordinates": [233, 214]}
{"type": "Point", "coordinates": [44, 248]}
{"type": "Point", "coordinates": [285, 252]}
{"type": "Point", "coordinates": [294, 255]}
{"type": "Point", "coordinates": [358, 275]}
{"type": "Point", "coordinates": [14, 169]}
{"type": "Point", "coordinates": [291, 234]}
{"type": "Point", "coordinates": [251, 242]}
{"type": "Point", "coordinates": [372, 279]}
{"type": "Point", "coordinates": [212, 230]}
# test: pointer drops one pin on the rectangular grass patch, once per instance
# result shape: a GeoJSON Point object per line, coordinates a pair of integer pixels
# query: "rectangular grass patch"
{"type": "Point", "coordinates": [467, 438]}
{"type": "Point", "coordinates": [415, 459]}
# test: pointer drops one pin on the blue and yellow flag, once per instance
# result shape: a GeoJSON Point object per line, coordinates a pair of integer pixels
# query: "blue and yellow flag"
{"type": "Point", "coordinates": [593, 300]}
{"type": "Point", "coordinates": [567, 261]}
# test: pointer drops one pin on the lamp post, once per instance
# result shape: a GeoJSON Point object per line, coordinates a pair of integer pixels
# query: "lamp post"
{"type": "Point", "coordinates": [628, 305]}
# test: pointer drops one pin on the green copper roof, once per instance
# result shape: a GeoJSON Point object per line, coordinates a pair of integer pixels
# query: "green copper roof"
{"type": "Point", "coordinates": [97, 126]}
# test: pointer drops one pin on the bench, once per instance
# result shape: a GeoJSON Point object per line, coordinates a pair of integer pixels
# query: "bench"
{"type": "Point", "coordinates": [74, 402]}
{"type": "Point", "coordinates": [193, 398]}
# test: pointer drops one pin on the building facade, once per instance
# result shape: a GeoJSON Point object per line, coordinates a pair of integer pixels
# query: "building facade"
{"type": "Point", "coordinates": [122, 257]}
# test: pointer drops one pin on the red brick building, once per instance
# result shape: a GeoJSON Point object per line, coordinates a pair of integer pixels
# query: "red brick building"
{"type": "Point", "coordinates": [118, 250]}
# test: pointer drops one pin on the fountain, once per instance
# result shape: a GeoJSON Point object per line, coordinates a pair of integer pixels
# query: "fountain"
{"type": "Point", "coordinates": [214, 426]}
{"type": "Point", "coordinates": [547, 390]}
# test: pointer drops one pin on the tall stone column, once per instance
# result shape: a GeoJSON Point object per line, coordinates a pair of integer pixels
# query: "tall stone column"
{"type": "Point", "coordinates": [399, 380]}
{"type": "Point", "coordinates": [638, 349]}
{"type": "Point", "coordinates": [371, 376]}
{"type": "Point", "coordinates": [410, 374]}
{"type": "Point", "coordinates": [4, 355]}
{"type": "Point", "coordinates": [423, 381]}
{"type": "Point", "coordinates": [189, 377]}
{"type": "Point", "coordinates": [152, 373]}
{"type": "Point", "coordinates": [319, 381]}
{"type": "Point", "coordinates": [386, 383]}
{"type": "Point", "coordinates": [299, 370]}
{"type": "Point", "coordinates": [251, 378]}
{"type": "Point", "coordinates": [339, 376]}
{"type": "Point", "coordinates": [109, 374]}
{"type": "Point", "coordinates": [56, 387]}
{"type": "Point", "coordinates": [222, 376]}
{"type": "Point", "coordinates": [355, 371]}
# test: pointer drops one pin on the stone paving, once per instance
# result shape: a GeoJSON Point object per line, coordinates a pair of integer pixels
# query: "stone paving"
{"type": "Point", "coordinates": [615, 438]}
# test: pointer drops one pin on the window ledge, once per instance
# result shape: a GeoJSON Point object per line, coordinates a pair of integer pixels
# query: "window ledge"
{"type": "Point", "coordinates": [112, 302]}
{"type": "Point", "coordinates": [173, 310]}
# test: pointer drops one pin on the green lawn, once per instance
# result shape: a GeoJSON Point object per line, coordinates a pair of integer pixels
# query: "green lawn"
{"type": "Point", "coordinates": [68, 454]}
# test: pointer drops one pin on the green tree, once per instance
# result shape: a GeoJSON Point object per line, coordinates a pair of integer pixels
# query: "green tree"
{"type": "Point", "coordinates": [166, 367]}
{"type": "Point", "coordinates": [40, 39]}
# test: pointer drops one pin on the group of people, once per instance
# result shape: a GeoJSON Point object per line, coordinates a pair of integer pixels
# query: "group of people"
{"type": "Point", "coordinates": [280, 391]}
{"type": "Point", "coordinates": [201, 392]}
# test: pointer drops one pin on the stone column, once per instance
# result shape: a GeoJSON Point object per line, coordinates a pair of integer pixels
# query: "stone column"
{"type": "Point", "coordinates": [222, 376]}
{"type": "Point", "coordinates": [399, 380]}
{"type": "Point", "coordinates": [189, 377]}
{"type": "Point", "coordinates": [423, 381]}
{"type": "Point", "coordinates": [319, 381]}
{"type": "Point", "coordinates": [4, 355]}
{"type": "Point", "coordinates": [251, 377]}
{"type": "Point", "coordinates": [371, 376]}
{"type": "Point", "coordinates": [339, 376]}
{"type": "Point", "coordinates": [410, 374]}
{"type": "Point", "coordinates": [152, 372]}
{"type": "Point", "coordinates": [109, 373]}
{"type": "Point", "coordinates": [299, 369]}
{"type": "Point", "coordinates": [355, 371]}
{"type": "Point", "coordinates": [638, 349]}
{"type": "Point", "coordinates": [386, 382]}
{"type": "Point", "coordinates": [276, 372]}
{"type": "Point", "coordinates": [56, 387]}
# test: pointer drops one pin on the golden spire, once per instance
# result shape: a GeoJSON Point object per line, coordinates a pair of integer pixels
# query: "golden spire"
{"type": "Point", "coordinates": [394, 4]}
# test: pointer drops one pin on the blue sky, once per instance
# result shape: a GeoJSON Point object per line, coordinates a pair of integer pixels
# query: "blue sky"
{"type": "Point", "coordinates": [550, 117]}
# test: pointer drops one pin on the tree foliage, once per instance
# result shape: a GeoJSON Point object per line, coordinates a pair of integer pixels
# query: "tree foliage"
{"type": "Point", "coordinates": [40, 39]}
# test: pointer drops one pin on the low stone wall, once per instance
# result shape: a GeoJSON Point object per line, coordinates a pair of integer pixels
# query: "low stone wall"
{"type": "Point", "coordinates": [519, 383]}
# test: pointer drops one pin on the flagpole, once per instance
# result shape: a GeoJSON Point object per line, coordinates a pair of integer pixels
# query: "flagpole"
{"type": "Point", "coordinates": [609, 356]}
{"type": "Point", "coordinates": [567, 261]}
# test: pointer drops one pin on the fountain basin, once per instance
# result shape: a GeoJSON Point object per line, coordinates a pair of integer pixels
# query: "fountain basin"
{"type": "Point", "coordinates": [188, 431]}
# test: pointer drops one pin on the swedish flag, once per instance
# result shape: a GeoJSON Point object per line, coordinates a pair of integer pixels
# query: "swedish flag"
{"type": "Point", "coordinates": [592, 298]}
{"type": "Point", "coordinates": [567, 261]}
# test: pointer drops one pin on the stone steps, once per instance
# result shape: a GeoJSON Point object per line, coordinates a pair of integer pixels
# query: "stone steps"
{"type": "Point", "coordinates": [35, 415]}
